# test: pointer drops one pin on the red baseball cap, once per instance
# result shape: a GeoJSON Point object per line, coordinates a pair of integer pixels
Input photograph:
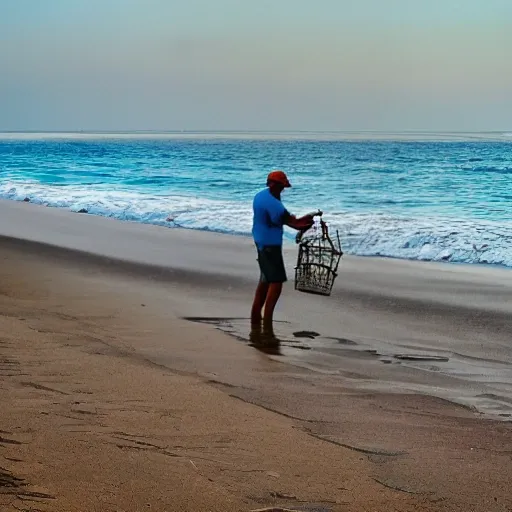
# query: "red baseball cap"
{"type": "Point", "coordinates": [279, 177]}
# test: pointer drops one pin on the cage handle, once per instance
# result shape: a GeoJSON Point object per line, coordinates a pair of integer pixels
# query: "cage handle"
{"type": "Point", "coordinates": [325, 235]}
{"type": "Point", "coordinates": [325, 230]}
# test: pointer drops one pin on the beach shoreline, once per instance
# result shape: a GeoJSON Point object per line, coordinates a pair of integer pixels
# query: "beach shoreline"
{"type": "Point", "coordinates": [288, 241]}
{"type": "Point", "coordinates": [12, 207]}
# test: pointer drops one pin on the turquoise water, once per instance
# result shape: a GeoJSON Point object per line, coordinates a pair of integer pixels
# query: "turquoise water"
{"type": "Point", "coordinates": [426, 200]}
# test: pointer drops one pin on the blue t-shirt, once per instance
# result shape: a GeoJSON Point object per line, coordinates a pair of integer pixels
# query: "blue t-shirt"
{"type": "Point", "coordinates": [267, 225]}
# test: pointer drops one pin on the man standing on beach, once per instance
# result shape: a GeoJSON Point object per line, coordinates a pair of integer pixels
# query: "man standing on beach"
{"type": "Point", "coordinates": [269, 217]}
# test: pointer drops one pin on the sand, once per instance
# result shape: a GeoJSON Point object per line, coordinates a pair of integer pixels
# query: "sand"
{"type": "Point", "coordinates": [111, 400]}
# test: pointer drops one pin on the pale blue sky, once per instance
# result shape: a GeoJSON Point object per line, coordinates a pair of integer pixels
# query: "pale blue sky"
{"type": "Point", "coordinates": [256, 64]}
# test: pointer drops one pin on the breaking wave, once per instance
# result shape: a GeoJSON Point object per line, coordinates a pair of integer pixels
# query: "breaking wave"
{"type": "Point", "coordinates": [428, 238]}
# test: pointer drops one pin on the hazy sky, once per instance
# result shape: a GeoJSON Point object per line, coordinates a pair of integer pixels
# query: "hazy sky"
{"type": "Point", "coordinates": [256, 64]}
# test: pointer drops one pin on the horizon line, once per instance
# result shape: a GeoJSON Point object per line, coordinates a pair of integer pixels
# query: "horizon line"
{"type": "Point", "coordinates": [193, 131]}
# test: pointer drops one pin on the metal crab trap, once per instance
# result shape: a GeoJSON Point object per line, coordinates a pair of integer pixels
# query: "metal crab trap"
{"type": "Point", "coordinates": [318, 260]}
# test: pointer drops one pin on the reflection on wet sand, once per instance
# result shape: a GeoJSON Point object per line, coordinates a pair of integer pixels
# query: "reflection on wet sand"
{"type": "Point", "coordinates": [343, 356]}
{"type": "Point", "coordinates": [264, 340]}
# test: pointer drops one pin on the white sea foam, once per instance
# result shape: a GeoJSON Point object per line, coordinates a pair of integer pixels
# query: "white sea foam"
{"type": "Point", "coordinates": [424, 238]}
{"type": "Point", "coordinates": [428, 238]}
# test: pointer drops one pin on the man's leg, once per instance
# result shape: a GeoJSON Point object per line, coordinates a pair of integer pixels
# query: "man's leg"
{"type": "Point", "coordinates": [259, 300]}
{"type": "Point", "coordinates": [273, 294]}
{"type": "Point", "coordinates": [273, 273]}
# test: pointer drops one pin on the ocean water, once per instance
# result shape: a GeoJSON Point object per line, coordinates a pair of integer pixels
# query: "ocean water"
{"type": "Point", "coordinates": [446, 199]}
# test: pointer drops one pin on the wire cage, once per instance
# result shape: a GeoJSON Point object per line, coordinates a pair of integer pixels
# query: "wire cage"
{"type": "Point", "coordinates": [317, 261]}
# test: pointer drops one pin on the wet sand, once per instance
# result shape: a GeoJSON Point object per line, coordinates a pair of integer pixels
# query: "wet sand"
{"type": "Point", "coordinates": [380, 308]}
{"type": "Point", "coordinates": [94, 350]}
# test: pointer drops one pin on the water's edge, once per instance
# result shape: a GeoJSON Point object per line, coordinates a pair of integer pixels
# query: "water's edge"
{"type": "Point", "coordinates": [288, 238]}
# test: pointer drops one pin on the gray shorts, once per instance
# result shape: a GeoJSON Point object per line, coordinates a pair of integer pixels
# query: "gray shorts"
{"type": "Point", "coordinates": [270, 260]}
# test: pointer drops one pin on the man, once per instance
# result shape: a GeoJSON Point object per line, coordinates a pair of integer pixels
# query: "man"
{"type": "Point", "coordinates": [270, 216]}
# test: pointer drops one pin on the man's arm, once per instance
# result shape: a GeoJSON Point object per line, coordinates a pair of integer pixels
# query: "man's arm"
{"type": "Point", "coordinates": [300, 224]}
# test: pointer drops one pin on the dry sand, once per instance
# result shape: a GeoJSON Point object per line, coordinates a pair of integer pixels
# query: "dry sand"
{"type": "Point", "coordinates": [111, 402]}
